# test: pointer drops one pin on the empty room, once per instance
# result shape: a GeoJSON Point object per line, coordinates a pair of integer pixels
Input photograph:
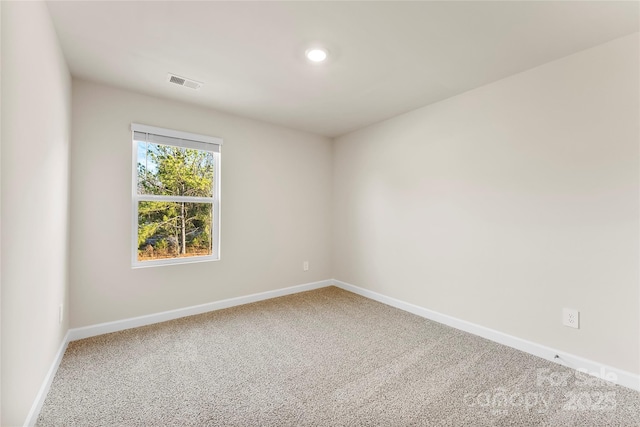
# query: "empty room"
{"type": "Point", "coordinates": [318, 213]}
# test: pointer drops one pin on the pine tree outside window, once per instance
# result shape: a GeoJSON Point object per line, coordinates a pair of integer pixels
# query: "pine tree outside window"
{"type": "Point", "coordinates": [176, 197]}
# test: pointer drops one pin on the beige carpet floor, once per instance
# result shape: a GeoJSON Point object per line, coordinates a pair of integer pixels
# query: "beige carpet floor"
{"type": "Point", "coordinates": [320, 358]}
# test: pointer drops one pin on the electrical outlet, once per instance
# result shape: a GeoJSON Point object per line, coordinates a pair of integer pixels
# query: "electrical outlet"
{"type": "Point", "coordinates": [60, 313]}
{"type": "Point", "coordinates": [305, 266]}
{"type": "Point", "coordinates": [571, 318]}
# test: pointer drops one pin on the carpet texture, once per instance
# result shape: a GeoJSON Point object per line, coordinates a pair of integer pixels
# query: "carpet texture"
{"type": "Point", "coordinates": [320, 358]}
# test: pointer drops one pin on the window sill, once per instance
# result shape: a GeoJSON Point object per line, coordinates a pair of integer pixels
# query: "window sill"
{"type": "Point", "coordinates": [173, 261]}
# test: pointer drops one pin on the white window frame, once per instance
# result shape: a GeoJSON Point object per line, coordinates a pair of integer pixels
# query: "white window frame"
{"type": "Point", "coordinates": [177, 139]}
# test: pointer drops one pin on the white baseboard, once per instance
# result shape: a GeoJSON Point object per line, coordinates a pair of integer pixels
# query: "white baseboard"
{"type": "Point", "coordinates": [32, 417]}
{"type": "Point", "coordinates": [135, 322]}
{"type": "Point", "coordinates": [618, 376]}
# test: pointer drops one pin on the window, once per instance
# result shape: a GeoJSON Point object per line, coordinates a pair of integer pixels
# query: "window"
{"type": "Point", "coordinates": [176, 197]}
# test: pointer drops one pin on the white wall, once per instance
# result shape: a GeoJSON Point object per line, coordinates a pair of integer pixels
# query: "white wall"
{"type": "Point", "coordinates": [507, 203]}
{"type": "Point", "coordinates": [36, 95]}
{"type": "Point", "coordinates": [275, 195]}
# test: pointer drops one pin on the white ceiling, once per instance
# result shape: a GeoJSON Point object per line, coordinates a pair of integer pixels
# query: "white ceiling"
{"type": "Point", "coordinates": [386, 58]}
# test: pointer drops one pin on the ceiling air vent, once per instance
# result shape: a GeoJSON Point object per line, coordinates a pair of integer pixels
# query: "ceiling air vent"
{"type": "Point", "coordinates": [181, 81]}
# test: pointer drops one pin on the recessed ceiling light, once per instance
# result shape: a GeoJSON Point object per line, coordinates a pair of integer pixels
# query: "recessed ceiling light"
{"type": "Point", "coordinates": [316, 54]}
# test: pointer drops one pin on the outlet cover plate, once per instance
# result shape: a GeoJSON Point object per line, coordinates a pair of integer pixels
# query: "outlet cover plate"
{"type": "Point", "coordinates": [571, 318]}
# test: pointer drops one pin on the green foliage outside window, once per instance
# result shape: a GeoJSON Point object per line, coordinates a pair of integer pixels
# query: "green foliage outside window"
{"type": "Point", "coordinates": [169, 229]}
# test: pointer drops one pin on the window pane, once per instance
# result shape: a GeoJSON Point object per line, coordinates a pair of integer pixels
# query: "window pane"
{"type": "Point", "coordinates": [174, 230]}
{"type": "Point", "coordinates": [174, 171]}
